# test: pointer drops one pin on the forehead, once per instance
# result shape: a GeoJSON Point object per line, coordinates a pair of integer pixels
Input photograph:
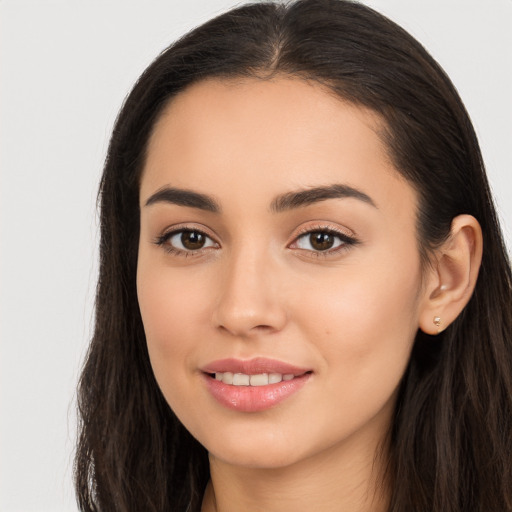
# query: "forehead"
{"type": "Point", "coordinates": [225, 109]}
{"type": "Point", "coordinates": [283, 133]}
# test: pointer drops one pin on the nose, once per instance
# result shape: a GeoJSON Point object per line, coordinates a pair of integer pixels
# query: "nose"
{"type": "Point", "coordinates": [249, 301]}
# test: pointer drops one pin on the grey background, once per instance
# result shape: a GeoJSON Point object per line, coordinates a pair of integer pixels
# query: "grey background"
{"type": "Point", "coordinates": [65, 69]}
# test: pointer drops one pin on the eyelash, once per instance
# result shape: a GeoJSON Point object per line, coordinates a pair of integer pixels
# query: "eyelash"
{"type": "Point", "coordinates": [163, 241]}
{"type": "Point", "coordinates": [346, 241]}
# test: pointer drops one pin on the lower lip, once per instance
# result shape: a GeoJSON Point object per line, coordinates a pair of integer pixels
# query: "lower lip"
{"type": "Point", "coordinates": [254, 398]}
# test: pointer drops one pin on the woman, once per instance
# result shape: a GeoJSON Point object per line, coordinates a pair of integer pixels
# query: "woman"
{"type": "Point", "coordinates": [304, 298]}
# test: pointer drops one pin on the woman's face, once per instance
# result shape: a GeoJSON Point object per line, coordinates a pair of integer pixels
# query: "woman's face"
{"type": "Point", "coordinates": [277, 243]}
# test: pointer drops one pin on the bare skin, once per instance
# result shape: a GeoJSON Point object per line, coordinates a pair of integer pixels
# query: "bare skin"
{"type": "Point", "coordinates": [236, 270]}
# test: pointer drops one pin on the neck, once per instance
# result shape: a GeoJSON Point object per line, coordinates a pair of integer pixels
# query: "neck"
{"type": "Point", "coordinates": [343, 478]}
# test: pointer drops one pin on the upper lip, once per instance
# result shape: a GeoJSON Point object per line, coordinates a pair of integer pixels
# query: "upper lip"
{"type": "Point", "coordinates": [254, 366]}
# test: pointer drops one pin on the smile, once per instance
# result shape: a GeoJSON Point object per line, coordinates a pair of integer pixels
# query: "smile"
{"type": "Point", "coordinates": [261, 379]}
{"type": "Point", "coordinates": [254, 385]}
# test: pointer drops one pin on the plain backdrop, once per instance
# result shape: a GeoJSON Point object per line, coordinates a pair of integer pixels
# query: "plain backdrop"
{"type": "Point", "coordinates": [65, 68]}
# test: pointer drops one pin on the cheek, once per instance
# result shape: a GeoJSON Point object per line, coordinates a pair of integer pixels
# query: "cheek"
{"type": "Point", "coordinates": [364, 326]}
{"type": "Point", "coordinates": [372, 301]}
{"type": "Point", "coordinates": [170, 307]}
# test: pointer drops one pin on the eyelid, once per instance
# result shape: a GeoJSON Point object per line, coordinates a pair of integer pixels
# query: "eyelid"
{"type": "Point", "coordinates": [324, 226]}
{"type": "Point", "coordinates": [163, 238]}
{"type": "Point", "coordinates": [348, 237]}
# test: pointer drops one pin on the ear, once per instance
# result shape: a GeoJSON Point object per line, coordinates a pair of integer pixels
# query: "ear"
{"type": "Point", "coordinates": [452, 279]}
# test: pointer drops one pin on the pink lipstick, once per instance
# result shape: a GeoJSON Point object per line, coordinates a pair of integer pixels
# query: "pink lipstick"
{"type": "Point", "coordinates": [253, 385]}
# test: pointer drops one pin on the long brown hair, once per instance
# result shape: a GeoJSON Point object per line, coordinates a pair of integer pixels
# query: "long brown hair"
{"type": "Point", "coordinates": [451, 440]}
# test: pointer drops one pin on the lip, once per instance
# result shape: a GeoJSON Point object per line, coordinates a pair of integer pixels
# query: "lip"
{"type": "Point", "coordinates": [253, 366]}
{"type": "Point", "coordinates": [254, 398]}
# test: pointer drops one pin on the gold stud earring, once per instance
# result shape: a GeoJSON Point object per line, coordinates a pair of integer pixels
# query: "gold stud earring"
{"type": "Point", "coordinates": [437, 321]}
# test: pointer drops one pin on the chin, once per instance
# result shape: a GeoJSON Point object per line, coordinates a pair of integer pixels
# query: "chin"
{"type": "Point", "coordinates": [264, 446]}
{"type": "Point", "coordinates": [257, 457]}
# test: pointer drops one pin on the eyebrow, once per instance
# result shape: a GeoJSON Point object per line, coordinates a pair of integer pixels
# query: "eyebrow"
{"type": "Point", "coordinates": [292, 200]}
{"type": "Point", "coordinates": [283, 202]}
{"type": "Point", "coordinates": [183, 197]}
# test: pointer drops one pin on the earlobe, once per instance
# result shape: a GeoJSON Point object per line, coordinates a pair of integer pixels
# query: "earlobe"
{"type": "Point", "coordinates": [453, 276]}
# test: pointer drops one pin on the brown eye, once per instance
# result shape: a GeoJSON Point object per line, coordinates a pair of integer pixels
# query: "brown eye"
{"type": "Point", "coordinates": [326, 240]}
{"type": "Point", "coordinates": [187, 240]}
{"type": "Point", "coordinates": [192, 240]}
{"type": "Point", "coordinates": [321, 241]}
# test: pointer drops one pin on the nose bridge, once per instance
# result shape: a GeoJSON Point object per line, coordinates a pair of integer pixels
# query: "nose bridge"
{"type": "Point", "coordinates": [249, 300]}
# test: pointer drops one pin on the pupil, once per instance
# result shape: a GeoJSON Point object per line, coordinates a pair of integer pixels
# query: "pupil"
{"type": "Point", "coordinates": [192, 240]}
{"type": "Point", "coordinates": [321, 241]}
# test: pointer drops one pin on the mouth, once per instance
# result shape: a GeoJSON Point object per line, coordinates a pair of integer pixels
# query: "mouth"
{"type": "Point", "coordinates": [255, 380]}
{"type": "Point", "coordinates": [255, 385]}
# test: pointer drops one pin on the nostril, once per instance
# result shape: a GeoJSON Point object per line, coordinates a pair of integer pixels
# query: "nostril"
{"type": "Point", "coordinates": [243, 328]}
{"type": "Point", "coordinates": [263, 328]}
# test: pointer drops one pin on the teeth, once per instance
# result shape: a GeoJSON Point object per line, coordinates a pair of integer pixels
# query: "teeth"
{"type": "Point", "coordinates": [227, 377]}
{"type": "Point", "coordinates": [242, 379]}
{"type": "Point", "coordinates": [274, 378]}
{"type": "Point", "coordinates": [259, 380]}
